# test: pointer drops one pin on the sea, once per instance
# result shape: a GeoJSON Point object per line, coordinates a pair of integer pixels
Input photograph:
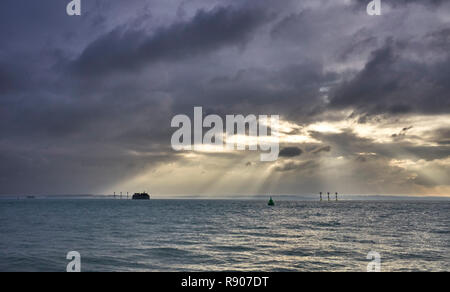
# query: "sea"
{"type": "Point", "coordinates": [195, 235]}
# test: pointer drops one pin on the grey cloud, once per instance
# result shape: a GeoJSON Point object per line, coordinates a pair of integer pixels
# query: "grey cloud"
{"type": "Point", "coordinates": [428, 153]}
{"type": "Point", "coordinates": [402, 133]}
{"type": "Point", "coordinates": [442, 136]}
{"type": "Point", "coordinates": [128, 49]}
{"type": "Point", "coordinates": [89, 171]}
{"type": "Point", "coordinates": [305, 166]}
{"type": "Point", "coordinates": [361, 158]}
{"type": "Point", "coordinates": [7, 82]}
{"type": "Point", "coordinates": [349, 144]}
{"type": "Point", "coordinates": [292, 91]}
{"type": "Point", "coordinates": [14, 77]}
{"type": "Point", "coordinates": [290, 152]}
{"type": "Point", "coordinates": [321, 149]}
{"type": "Point", "coordinates": [392, 84]}
{"type": "Point", "coordinates": [397, 3]}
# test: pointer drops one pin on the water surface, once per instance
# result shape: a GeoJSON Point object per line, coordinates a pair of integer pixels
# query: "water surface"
{"type": "Point", "coordinates": [223, 235]}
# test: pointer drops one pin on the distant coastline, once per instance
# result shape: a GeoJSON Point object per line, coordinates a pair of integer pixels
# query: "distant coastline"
{"type": "Point", "coordinates": [308, 197]}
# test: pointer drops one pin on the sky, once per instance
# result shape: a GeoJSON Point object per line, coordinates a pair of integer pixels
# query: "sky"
{"type": "Point", "coordinates": [86, 102]}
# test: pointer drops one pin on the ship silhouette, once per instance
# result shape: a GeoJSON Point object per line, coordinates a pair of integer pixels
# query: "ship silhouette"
{"type": "Point", "coordinates": [141, 196]}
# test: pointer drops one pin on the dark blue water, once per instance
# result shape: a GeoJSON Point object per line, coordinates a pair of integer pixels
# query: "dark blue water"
{"type": "Point", "coordinates": [209, 235]}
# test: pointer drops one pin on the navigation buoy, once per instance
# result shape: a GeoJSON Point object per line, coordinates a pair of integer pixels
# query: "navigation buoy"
{"type": "Point", "coordinates": [271, 203]}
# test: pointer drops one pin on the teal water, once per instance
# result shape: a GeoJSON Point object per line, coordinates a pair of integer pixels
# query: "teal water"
{"type": "Point", "coordinates": [214, 235]}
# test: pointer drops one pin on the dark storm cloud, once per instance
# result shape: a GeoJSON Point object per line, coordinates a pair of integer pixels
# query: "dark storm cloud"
{"type": "Point", "coordinates": [16, 76]}
{"type": "Point", "coordinates": [124, 49]}
{"type": "Point", "coordinates": [359, 44]}
{"type": "Point", "coordinates": [391, 83]}
{"type": "Point", "coordinates": [290, 152]}
{"type": "Point", "coordinates": [402, 74]}
{"type": "Point", "coordinates": [8, 82]}
{"type": "Point", "coordinates": [64, 130]}
{"type": "Point", "coordinates": [291, 91]}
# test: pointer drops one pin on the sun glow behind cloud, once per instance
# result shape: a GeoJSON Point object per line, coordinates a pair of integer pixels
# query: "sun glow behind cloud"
{"type": "Point", "coordinates": [216, 170]}
{"type": "Point", "coordinates": [418, 127]}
